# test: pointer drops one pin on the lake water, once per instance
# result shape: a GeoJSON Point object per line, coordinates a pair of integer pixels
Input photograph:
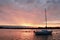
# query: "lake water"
{"type": "Point", "coordinates": [27, 34]}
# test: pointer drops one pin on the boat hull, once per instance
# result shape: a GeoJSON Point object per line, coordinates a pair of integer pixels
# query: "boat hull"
{"type": "Point", "coordinates": [43, 33]}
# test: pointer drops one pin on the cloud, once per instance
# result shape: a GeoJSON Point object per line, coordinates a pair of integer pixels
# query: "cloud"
{"type": "Point", "coordinates": [28, 11]}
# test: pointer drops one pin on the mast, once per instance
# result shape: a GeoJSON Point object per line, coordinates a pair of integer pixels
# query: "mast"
{"type": "Point", "coordinates": [45, 18]}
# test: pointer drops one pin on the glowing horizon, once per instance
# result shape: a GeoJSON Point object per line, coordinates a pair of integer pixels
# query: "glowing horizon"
{"type": "Point", "coordinates": [35, 25]}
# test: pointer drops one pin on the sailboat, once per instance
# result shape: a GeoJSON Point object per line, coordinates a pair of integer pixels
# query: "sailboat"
{"type": "Point", "coordinates": [45, 31]}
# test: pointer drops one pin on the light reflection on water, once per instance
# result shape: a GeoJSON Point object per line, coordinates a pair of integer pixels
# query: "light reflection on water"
{"type": "Point", "coordinates": [26, 34]}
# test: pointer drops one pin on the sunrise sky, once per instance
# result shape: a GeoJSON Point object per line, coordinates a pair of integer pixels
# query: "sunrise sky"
{"type": "Point", "coordinates": [29, 12]}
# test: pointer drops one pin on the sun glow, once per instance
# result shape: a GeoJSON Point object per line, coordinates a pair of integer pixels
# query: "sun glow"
{"type": "Point", "coordinates": [25, 24]}
{"type": "Point", "coordinates": [32, 25]}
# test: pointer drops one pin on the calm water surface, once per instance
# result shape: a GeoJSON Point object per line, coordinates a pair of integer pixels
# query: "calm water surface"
{"type": "Point", "coordinates": [27, 34]}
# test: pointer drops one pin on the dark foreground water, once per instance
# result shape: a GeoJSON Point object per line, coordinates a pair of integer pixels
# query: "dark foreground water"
{"type": "Point", "coordinates": [27, 34]}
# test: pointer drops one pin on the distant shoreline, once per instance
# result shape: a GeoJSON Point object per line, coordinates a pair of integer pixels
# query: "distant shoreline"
{"type": "Point", "coordinates": [25, 27]}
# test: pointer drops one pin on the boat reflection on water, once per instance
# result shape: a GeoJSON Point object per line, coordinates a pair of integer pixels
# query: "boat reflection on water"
{"type": "Point", "coordinates": [43, 37]}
